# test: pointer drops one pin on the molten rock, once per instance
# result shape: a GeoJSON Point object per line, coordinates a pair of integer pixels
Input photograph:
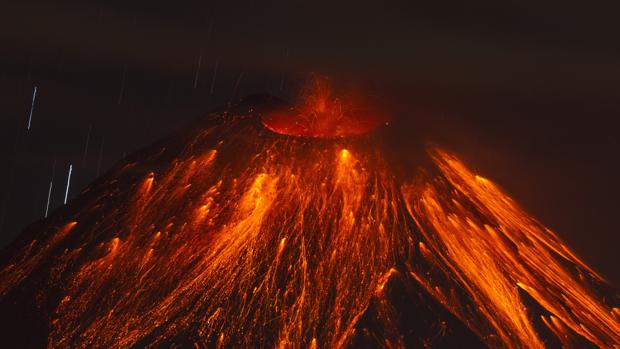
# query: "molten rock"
{"type": "Point", "coordinates": [231, 235]}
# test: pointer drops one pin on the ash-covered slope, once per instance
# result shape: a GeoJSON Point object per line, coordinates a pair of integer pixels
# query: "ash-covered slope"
{"type": "Point", "coordinates": [231, 235]}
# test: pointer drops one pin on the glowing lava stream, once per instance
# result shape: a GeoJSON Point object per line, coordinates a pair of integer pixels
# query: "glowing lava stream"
{"type": "Point", "coordinates": [490, 247]}
{"type": "Point", "coordinates": [291, 246]}
{"type": "Point", "coordinates": [248, 238]}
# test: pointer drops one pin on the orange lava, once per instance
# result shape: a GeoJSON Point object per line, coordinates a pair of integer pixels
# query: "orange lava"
{"type": "Point", "coordinates": [323, 115]}
{"type": "Point", "coordinates": [489, 246]}
{"type": "Point", "coordinates": [249, 239]}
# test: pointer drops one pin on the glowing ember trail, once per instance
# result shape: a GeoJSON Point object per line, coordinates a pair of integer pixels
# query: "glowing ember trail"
{"type": "Point", "coordinates": [233, 236]}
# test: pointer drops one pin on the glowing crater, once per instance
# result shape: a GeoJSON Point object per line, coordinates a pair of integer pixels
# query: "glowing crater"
{"type": "Point", "coordinates": [323, 115]}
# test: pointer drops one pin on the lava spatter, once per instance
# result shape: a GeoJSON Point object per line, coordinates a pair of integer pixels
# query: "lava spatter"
{"type": "Point", "coordinates": [231, 235]}
{"type": "Point", "coordinates": [322, 114]}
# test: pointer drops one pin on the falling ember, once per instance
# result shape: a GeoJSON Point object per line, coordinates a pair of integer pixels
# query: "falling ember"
{"type": "Point", "coordinates": [235, 236]}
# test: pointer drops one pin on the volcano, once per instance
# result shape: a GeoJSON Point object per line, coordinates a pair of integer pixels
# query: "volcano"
{"type": "Point", "coordinates": [251, 229]}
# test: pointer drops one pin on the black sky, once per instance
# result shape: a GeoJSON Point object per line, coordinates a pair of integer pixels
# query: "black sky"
{"type": "Point", "coordinates": [528, 92]}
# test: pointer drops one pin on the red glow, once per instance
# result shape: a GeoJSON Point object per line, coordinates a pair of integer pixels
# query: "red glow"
{"type": "Point", "coordinates": [323, 115]}
{"type": "Point", "coordinates": [286, 242]}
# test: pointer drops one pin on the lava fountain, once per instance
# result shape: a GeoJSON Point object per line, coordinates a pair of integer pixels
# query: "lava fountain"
{"type": "Point", "coordinates": [285, 227]}
{"type": "Point", "coordinates": [321, 114]}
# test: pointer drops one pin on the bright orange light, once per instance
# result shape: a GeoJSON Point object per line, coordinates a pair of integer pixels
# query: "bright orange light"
{"type": "Point", "coordinates": [490, 247]}
{"type": "Point", "coordinates": [290, 242]}
{"type": "Point", "coordinates": [323, 115]}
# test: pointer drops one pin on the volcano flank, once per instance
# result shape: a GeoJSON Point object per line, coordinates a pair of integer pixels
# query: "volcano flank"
{"type": "Point", "coordinates": [269, 226]}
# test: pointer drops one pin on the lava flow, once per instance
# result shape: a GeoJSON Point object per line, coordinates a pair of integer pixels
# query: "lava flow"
{"type": "Point", "coordinates": [239, 234]}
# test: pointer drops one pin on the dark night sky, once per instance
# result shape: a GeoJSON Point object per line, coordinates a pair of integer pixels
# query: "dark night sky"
{"type": "Point", "coordinates": [528, 92]}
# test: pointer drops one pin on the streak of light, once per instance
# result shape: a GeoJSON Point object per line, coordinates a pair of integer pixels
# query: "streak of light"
{"type": "Point", "coordinates": [198, 69]}
{"type": "Point", "coordinates": [49, 196]}
{"type": "Point", "coordinates": [200, 57]}
{"type": "Point", "coordinates": [90, 128]}
{"type": "Point", "coordinates": [236, 86]}
{"type": "Point", "coordinates": [49, 191]}
{"type": "Point", "coordinates": [68, 183]}
{"type": "Point", "coordinates": [34, 98]}
{"type": "Point", "coordinates": [217, 63]}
